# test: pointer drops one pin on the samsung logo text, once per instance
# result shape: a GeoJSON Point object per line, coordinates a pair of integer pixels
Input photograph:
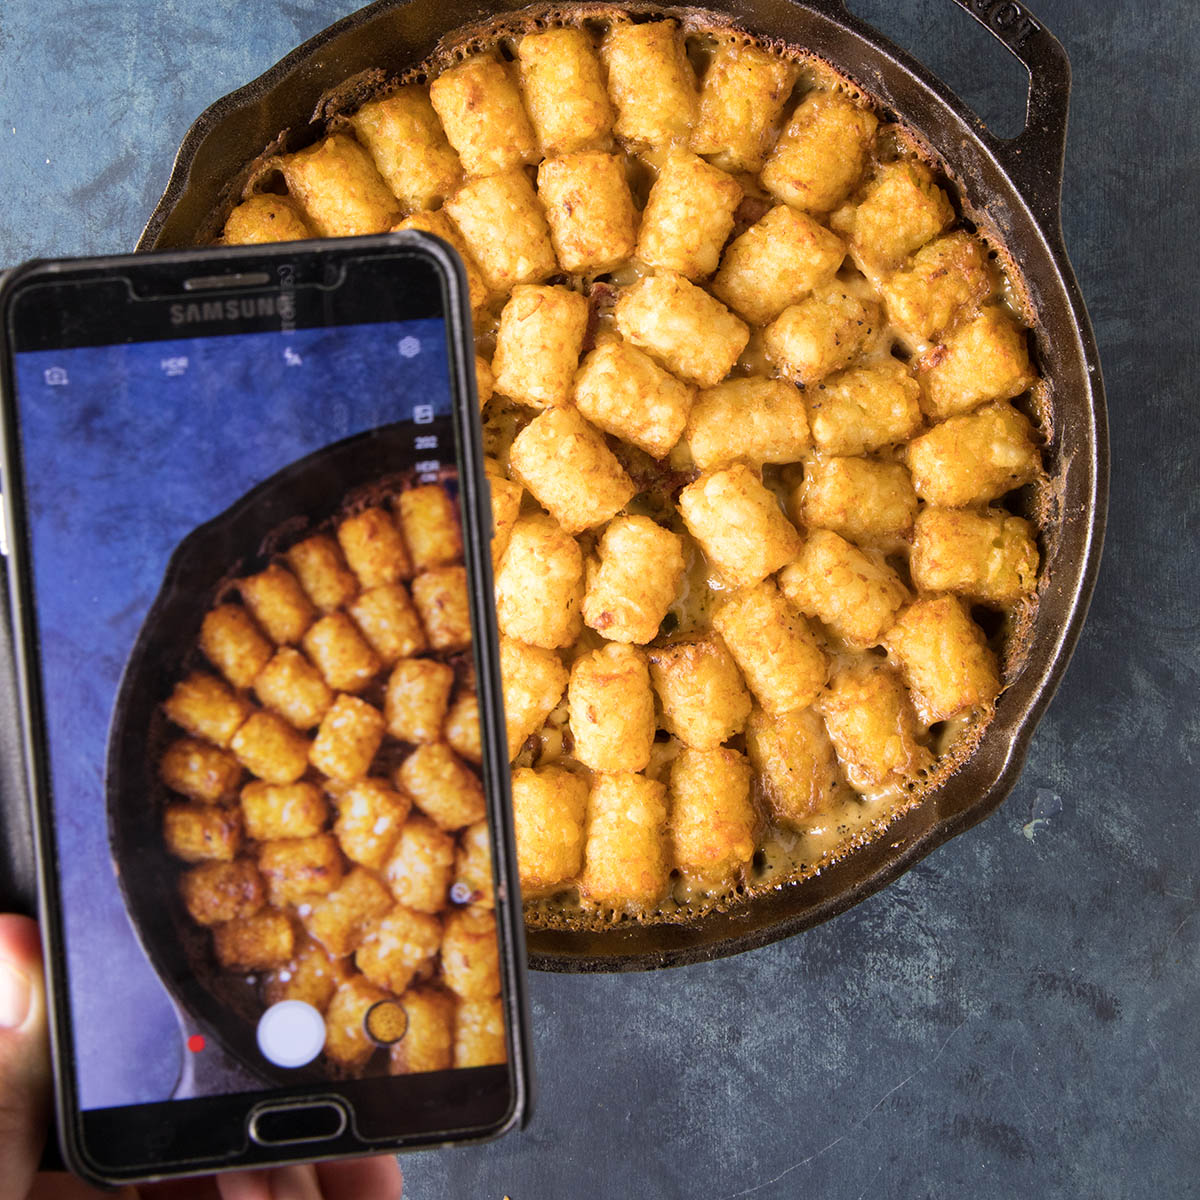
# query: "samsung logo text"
{"type": "Point", "coordinates": [209, 311]}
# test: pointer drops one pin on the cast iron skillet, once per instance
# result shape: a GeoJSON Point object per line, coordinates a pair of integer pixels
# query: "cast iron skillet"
{"type": "Point", "coordinates": [237, 542]}
{"type": "Point", "coordinates": [1010, 187]}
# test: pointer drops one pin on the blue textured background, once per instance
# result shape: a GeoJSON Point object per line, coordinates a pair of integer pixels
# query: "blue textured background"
{"type": "Point", "coordinates": [1016, 1016]}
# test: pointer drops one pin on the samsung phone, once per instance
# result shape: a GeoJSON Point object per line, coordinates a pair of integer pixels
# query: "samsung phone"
{"type": "Point", "coordinates": [247, 536]}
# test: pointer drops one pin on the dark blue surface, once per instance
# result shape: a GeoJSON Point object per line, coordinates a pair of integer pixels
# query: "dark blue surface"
{"type": "Point", "coordinates": [1016, 1016]}
{"type": "Point", "coordinates": [141, 445]}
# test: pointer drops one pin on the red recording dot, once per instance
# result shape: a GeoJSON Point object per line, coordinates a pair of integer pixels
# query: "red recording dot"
{"type": "Point", "coordinates": [196, 1043]}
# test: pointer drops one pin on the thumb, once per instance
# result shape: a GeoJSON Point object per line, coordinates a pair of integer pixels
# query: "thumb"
{"type": "Point", "coordinates": [24, 1056]}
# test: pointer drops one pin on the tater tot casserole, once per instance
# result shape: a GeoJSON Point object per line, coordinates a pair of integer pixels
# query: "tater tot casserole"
{"type": "Point", "coordinates": [321, 749]}
{"type": "Point", "coordinates": [764, 439]}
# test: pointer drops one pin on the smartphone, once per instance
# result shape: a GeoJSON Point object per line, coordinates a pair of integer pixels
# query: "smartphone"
{"type": "Point", "coordinates": [247, 533]}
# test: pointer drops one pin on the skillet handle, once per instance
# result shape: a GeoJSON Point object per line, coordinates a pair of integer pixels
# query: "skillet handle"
{"type": "Point", "coordinates": [1034, 158]}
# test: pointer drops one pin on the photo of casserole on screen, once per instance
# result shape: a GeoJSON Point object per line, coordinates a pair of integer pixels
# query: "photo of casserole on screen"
{"type": "Point", "coordinates": [319, 849]}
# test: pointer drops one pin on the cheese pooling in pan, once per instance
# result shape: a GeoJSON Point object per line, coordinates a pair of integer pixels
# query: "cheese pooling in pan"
{"type": "Point", "coordinates": [761, 420]}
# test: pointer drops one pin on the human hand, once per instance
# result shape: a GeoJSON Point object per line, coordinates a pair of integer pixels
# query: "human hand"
{"type": "Point", "coordinates": [25, 1106]}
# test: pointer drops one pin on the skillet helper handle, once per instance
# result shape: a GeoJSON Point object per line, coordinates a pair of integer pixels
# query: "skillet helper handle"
{"type": "Point", "coordinates": [1034, 158]}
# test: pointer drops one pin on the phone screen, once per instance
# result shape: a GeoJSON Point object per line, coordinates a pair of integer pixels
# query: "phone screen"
{"type": "Point", "coordinates": [252, 613]}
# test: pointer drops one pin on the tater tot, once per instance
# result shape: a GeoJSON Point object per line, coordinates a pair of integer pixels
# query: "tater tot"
{"type": "Point", "coordinates": [418, 694]}
{"type": "Point", "coordinates": [742, 96]}
{"type": "Point", "coordinates": [199, 770]}
{"type": "Point", "coordinates": [902, 210]}
{"type": "Point", "coordinates": [703, 696]}
{"type": "Point", "coordinates": [589, 209]}
{"type": "Point", "coordinates": [863, 500]}
{"type": "Point", "coordinates": [944, 657]}
{"type": "Point", "coordinates": [712, 822]}
{"type": "Point", "coordinates": [346, 1040]}
{"type": "Point", "coordinates": [420, 868]}
{"type": "Point", "coordinates": [990, 557]}
{"type": "Point", "coordinates": [774, 647]}
{"type": "Point", "coordinates": [612, 708]}
{"type": "Point", "coordinates": [479, 1033]}
{"type": "Point", "coordinates": [549, 805]}
{"type": "Point", "coordinates": [793, 757]}
{"type": "Point", "coordinates": [309, 975]}
{"type": "Point", "coordinates": [473, 882]}
{"type": "Point", "coordinates": [397, 946]}
{"type": "Point", "coordinates": [533, 680]}
{"type": "Point", "coordinates": [340, 920]}
{"type": "Point", "coordinates": [756, 420]}
{"type": "Point", "coordinates": [440, 225]}
{"type": "Point", "coordinates": [206, 708]}
{"type": "Point", "coordinates": [821, 154]}
{"type": "Point", "coordinates": [295, 868]}
{"type": "Point", "coordinates": [810, 339]}
{"type": "Point", "coordinates": [626, 393]}
{"type": "Point", "coordinates": [480, 107]}
{"type": "Point", "coordinates": [290, 810]}
{"type": "Point", "coordinates": [688, 216]}
{"type": "Point", "coordinates": [347, 741]}
{"type": "Point", "coordinates": [341, 653]}
{"type": "Point", "coordinates": [292, 687]}
{"type": "Point", "coordinates": [373, 547]}
{"type": "Point", "coordinates": [215, 892]}
{"type": "Point", "coordinates": [984, 359]}
{"type": "Point", "coordinates": [471, 954]}
{"type": "Point", "coordinates": [233, 644]}
{"type": "Point", "coordinates": [625, 848]}
{"type": "Point", "coordinates": [852, 594]}
{"type": "Point", "coordinates": [462, 729]}
{"type": "Point", "coordinates": [739, 524]}
{"type": "Point", "coordinates": [564, 91]}
{"type": "Point", "coordinates": [651, 82]}
{"type": "Point", "coordinates": [429, 520]}
{"type": "Point", "coordinates": [539, 586]}
{"type": "Point", "coordinates": [944, 280]}
{"type": "Point", "coordinates": [505, 229]}
{"type": "Point", "coordinates": [974, 458]}
{"type": "Point", "coordinates": [864, 409]}
{"type": "Point", "coordinates": [278, 603]}
{"type": "Point", "coordinates": [202, 832]}
{"type": "Point", "coordinates": [254, 943]}
{"type": "Point", "coordinates": [428, 1043]}
{"type": "Point", "coordinates": [340, 190]}
{"type": "Point", "coordinates": [872, 726]}
{"type": "Point", "coordinates": [266, 218]}
{"type": "Point", "coordinates": [693, 335]}
{"type": "Point", "coordinates": [634, 581]}
{"type": "Point", "coordinates": [444, 788]}
{"type": "Point", "coordinates": [538, 343]}
{"type": "Point", "coordinates": [565, 463]}
{"type": "Point", "coordinates": [322, 571]}
{"type": "Point", "coordinates": [405, 139]}
{"type": "Point", "coordinates": [389, 621]}
{"type": "Point", "coordinates": [370, 816]}
{"type": "Point", "coordinates": [267, 746]}
{"type": "Point", "coordinates": [776, 263]}
{"type": "Point", "coordinates": [442, 600]}
{"type": "Point", "coordinates": [506, 497]}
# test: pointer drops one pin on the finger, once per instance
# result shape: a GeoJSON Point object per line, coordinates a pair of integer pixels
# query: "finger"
{"type": "Point", "coordinates": [24, 1055]}
{"type": "Point", "coordinates": [378, 1178]}
{"type": "Point", "coordinates": [58, 1185]}
{"type": "Point", "coordinates": [279, 1183]}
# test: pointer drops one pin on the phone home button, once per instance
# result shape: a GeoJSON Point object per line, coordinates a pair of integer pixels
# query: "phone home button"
{"type": "Point", "coordinates": [296, 1121]}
